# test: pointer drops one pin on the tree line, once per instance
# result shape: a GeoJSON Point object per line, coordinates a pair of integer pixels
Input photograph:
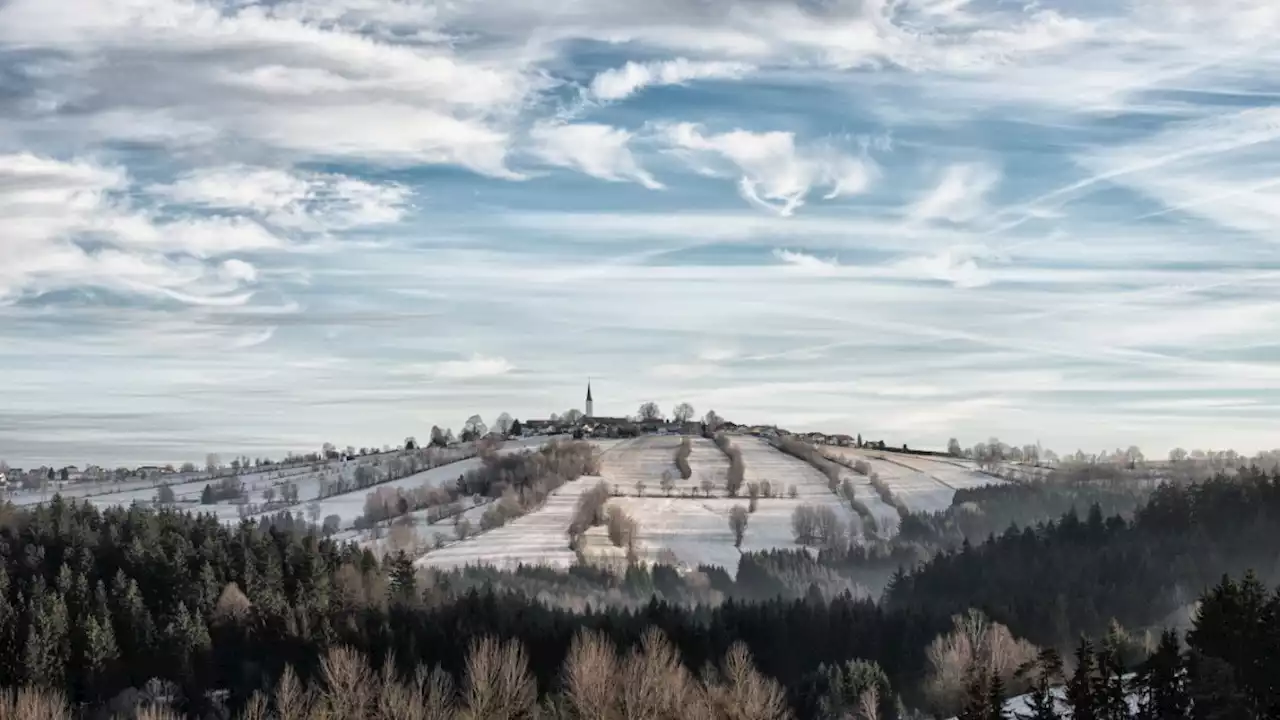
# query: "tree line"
{"type": "Point", "coordinates": [104, 604]}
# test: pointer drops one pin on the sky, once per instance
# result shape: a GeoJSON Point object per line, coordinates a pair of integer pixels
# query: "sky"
{"type": "Point", "coordinates": [252, 227]}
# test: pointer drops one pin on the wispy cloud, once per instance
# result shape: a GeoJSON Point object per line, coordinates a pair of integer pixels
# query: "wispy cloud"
{"type": "Point", "coordinates": [620, 83]}
{"type": "Point", "coordinates": [773, 173]}
{"type": "Point", "coordinates": [597, 150]}
{"type": "Point", "coordinates": [1066, 226]}
{"type": "Point", "coordinates": [477, 366]}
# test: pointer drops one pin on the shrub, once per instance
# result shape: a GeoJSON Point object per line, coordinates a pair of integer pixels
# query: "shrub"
{"type": "Point", "coordinates": [682, 458]}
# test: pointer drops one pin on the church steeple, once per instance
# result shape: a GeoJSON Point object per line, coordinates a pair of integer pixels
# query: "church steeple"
{"type": "Point", "coordinates": [589, 408]}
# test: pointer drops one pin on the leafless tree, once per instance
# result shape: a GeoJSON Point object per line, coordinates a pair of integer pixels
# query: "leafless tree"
{"type": "Point", "coordinates": [804, 523]}
{"type": "Point", "coordinates": [474, 427]}
{"type": "Point", "coordinates": [462, 529]}
{"type": "Point", "coordinates": [649, 411]}
{"type": "Point", "coordinates": [683, 412]}
{"type": "Point", "coordinates": [745, 693]}
{"type": "Point", "coordinates": [591, 676]}
{"type": "Point", "coordinates": [503, 424]}
{"type": "Point", "coordinates": [498, 685]}
{"type": "Point", "coordinates": [707, 486]}
{"type": "Point", "coordinates": [640, 488]}
{"type": "Point", "coordinates": [347, 679]}
{"type": "Point", "coordinates": [712, 420]}
{"type": "Point", "coordinates": [313, 511]}
{"type": "Point", "coordinates": [212, 462]}
{"type": "Point", "coordinates": [954, 449]}
{"type": "Point", "coordinates": [738, 524]}
{"type": "Point", "coordinates": [753, 496]}
{"type": "Point", "coordinates": [974, 644]}
{"type": "Point", "coordinates": [668, 482]}
{"type": "Point", "coordinates": [793, 492]}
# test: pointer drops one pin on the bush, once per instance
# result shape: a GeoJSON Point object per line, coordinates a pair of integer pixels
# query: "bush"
{"type": "Point", "coordinates": [738, 523]}
{"type": "Point", "coordinates": [737, 470]}
{"type": "Point", "coordinates": [682, 458]}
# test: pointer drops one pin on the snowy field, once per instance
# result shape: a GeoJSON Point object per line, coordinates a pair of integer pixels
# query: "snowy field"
{"type": "Point", "coordinates": [918, 491]}
{"type": "Point", "coordinates": [695, 531]}
{"type": "Point", "coordinates": [539, 538]}
{"type": "Point", "coordinates": [948, 473]}
{"type": "Point", "coordinates": [642, 460]}
{"type": "Point", "coordinates": [762, 462]}
{"type": "Point", "coordinates": [349, 506]}
{"type": "Point", "coordinates": [689, 531]}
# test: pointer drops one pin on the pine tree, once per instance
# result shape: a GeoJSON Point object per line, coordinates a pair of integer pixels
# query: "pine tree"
{"type": "Point", "coordinates": [977, 703]}
{"type": "Point", "coordinates": [1161, 684]}
{"type": "Point", "coordinates": [404, 584]}
{"type": "Point", "coordinates": [1042, 704]}
{"type": "Point", "coordinates": [1110, 693]}
{"type": "Point", "coordinates": [996, 696]}
{"type": "Point", "coordinates": [1081, 697]}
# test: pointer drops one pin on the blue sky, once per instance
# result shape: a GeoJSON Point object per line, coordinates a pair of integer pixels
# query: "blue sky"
{"type": "Point", "coordinates": [252, 227]}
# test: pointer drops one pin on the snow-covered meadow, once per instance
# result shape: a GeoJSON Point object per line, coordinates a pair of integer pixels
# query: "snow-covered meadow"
{"type": "Point", "coordinates": [686, 527]}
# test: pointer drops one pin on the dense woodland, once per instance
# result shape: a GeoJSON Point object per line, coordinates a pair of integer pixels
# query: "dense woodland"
{"type": "Point", "coordinates": [100, 603]}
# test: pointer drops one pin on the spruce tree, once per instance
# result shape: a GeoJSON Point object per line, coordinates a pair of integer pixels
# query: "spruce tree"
{"type": "Point", "coordinates": [1042, 704]}
{"type": "Point", "coordinates": [1162, 691]}
{"type": "Point", "coordinates": [996, 696]}
{"type": "Point", "coordinates": [977, 703]}
{"type": "Point", "coordinates": [1081, 697]}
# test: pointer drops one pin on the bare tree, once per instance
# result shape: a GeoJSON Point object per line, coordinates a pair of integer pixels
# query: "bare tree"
{"type": "Point", "coordinates": [707, 486]}
{"type": "Point", "coordinates": [212, 462]}
{"type": "Point", "coordinates": [793, 492]}
{"type": "Point", "coordinates": [668, 482]}
{"type": "Point", "coordinates": [571, 416]}
{"type": "Point", "coordinates": [744, 692]}
{"type": "Point", "coordinates": [591, 676]}
{"type": "Point", "coordinates": [738, 524]}
{"type": "Point", "coordinates": [474, 428]}
{"type": "Point", "coordinates": [503, 424]}
{"type": "Point", "coordinates": [974, 645]}
{"type": "Point", "coordinates": [804, 523]}
{"type": "Point", "coordinates": [640, 488]}
{"type": "Point", "coordinates": [753, 496]}
{"type": "Point", "coordinates": [498, 685]}
{"type": "Point", "coordinates": [683, 412]}
{"type": "Point", "coordinates": [954, 449]}
{"type": "Point", "coordinates": [269, 494]}
{"type": "Point", "coordinates": [313, 511]}
{"type": "Point", "coordinates": [712, 420]}
{"type": "Point", "coordinates": [649, 411]}
{"type": "Point", "coordinates": [462, 528]}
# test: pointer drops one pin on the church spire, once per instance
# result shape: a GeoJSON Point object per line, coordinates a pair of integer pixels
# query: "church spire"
{"type": "Point", "coordinates": [590, 409]}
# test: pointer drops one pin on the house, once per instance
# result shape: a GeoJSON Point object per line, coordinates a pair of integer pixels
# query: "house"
{"type": "Point", "coordinates": [841, 440]}
{"type": "Point", "coordinates": [529, 428]}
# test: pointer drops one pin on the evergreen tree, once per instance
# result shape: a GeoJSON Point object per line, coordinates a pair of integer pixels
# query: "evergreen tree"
{"type": "Point", "coordinates": [403, 582]}
{"type": "Point", "coordinates": [977, 703]}
{"type": "Point", "coordinates": [1110, 691]}
{"type": "Point", "coordinates": [1161, 684]}
{"type": "Point", "coordinates": [1081, 688]}
{"type": "Point", "coordinates": [996, 697]}
{"type": "Point", "coordinates": [1045, 672]}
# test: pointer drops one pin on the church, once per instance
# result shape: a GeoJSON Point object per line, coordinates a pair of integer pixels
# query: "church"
{"type": "Point", "coordinates": [587, 423]}
{"type": "Point", "coordinates": [591, 424]}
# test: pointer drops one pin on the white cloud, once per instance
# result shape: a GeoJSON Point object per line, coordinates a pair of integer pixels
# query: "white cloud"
{"type": "Point", "coordinates": [597, 150]}
{"type": "Point", "coordinates": [254, 81]}
{"type": "Point", "coordinates": [478, 366]}
{"type": "Point", "coordinates": [292, 199]}
{"type": "Point", "coordinates": [959, 196]}
{"type": "Point", "coordinates": [773, 173]}
{"type": "Point", "coordinates": [620, 83]}
{"type": "Point", "coordinates": [69, 225]}
{"type": "Point", "coordinates": [808, 263]}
